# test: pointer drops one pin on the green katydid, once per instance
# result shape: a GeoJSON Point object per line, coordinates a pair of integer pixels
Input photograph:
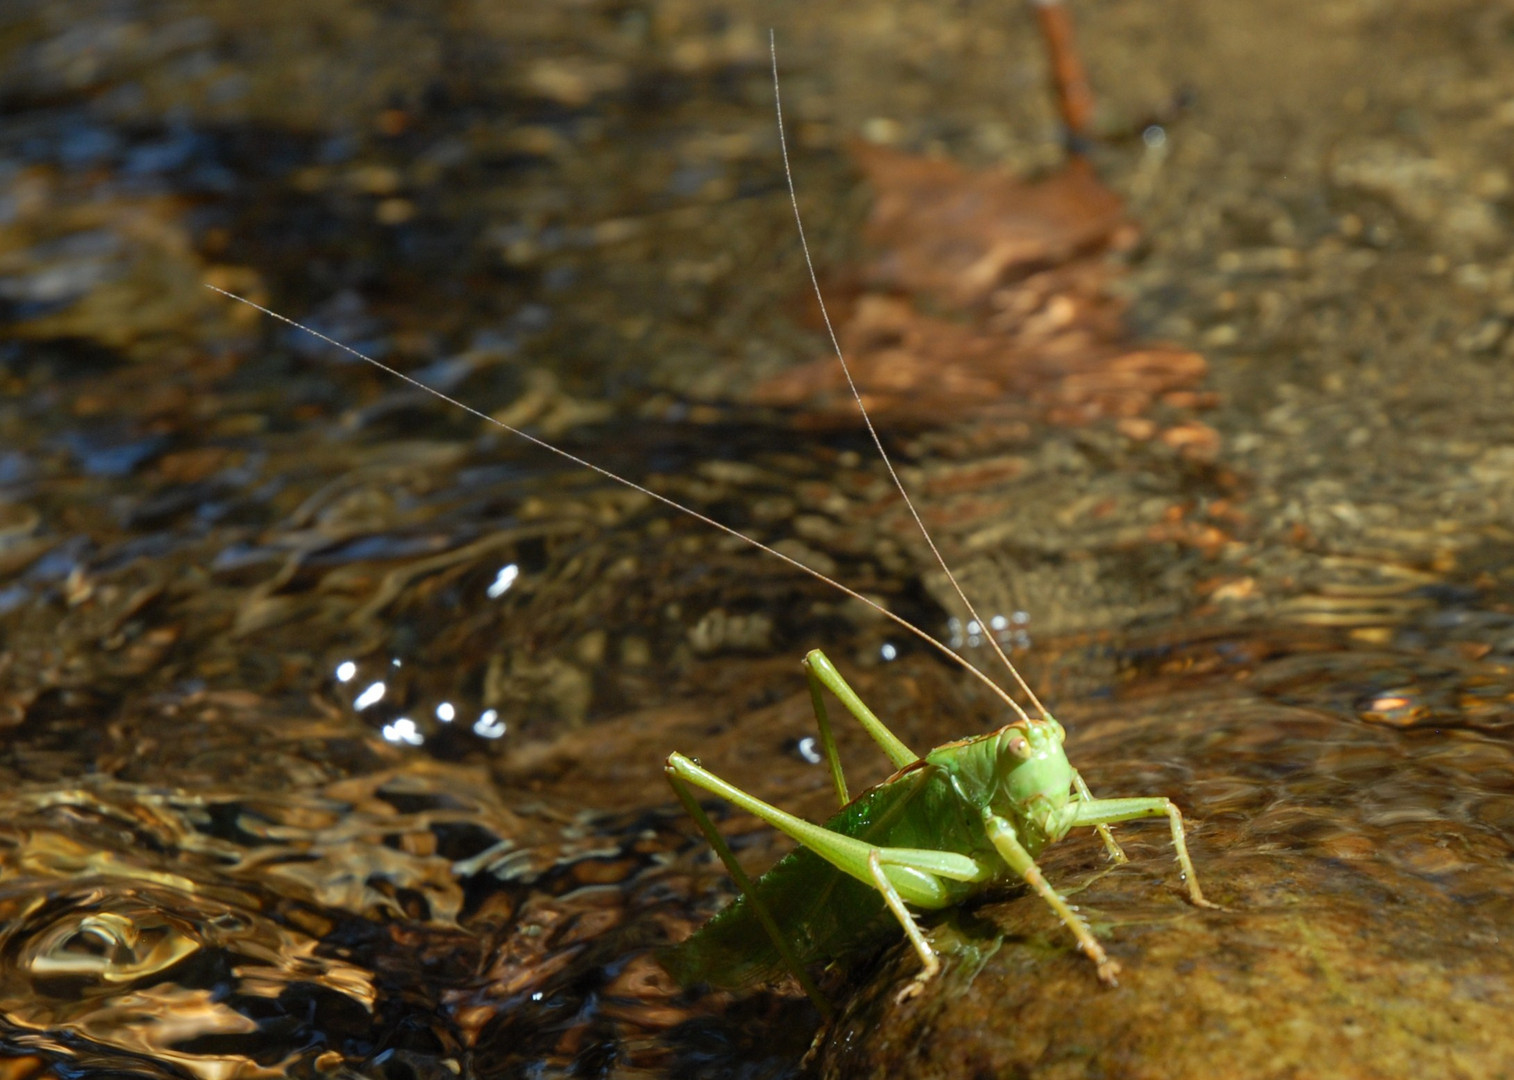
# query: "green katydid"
{"type": "Point", "coordinates": [966, 817]}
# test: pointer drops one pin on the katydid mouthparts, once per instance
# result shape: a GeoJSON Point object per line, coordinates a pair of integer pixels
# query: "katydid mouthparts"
{"type": "Point", "coordinates": [968, 816]}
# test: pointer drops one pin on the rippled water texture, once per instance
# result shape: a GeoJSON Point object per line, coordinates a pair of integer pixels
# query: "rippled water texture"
{"type": "Point", "coordinates": [332, 720]}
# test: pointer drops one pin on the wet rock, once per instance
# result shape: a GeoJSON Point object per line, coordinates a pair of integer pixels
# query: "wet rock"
{"type": "Point", "coordinates": [1365, 901]}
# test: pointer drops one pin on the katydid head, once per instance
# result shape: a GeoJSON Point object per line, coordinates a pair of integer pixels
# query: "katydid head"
{"type": "Point", "coordinates": [1035, 777]}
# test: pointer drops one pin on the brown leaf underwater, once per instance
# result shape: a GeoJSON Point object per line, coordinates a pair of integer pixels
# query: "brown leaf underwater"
{"type": "Point", "coordinates": [989, 294]}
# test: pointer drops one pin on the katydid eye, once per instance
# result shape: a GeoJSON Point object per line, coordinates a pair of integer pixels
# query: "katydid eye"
{"type": "Point", "coordinates": [1020, 748]}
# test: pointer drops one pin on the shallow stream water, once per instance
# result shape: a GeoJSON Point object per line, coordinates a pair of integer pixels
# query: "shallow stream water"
{"type": "Point", "coordinates": [331, 719]}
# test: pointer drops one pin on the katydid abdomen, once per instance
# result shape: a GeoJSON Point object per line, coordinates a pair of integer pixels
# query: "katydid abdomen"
{"type": "Point", "coordinates": [823, 912]}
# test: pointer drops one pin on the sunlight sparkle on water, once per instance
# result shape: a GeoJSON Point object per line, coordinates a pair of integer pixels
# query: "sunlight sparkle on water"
{"type": "Point", "coordinates": [403, 730]}
{"type": "Point", "coordinates": [370, 696]}
{"type": "Point", "coordinates": [489, 725]}
{"type": "Point", "coordinates": [807, 750]}
{"type": "Point", "coordinates": [445, 712]}
{"type": "Point", "coordinates": [346, 671]}
{"type": "Point", "coordinates": [503, 580]}
{"type": "Point", "coordinates": [888, 652]}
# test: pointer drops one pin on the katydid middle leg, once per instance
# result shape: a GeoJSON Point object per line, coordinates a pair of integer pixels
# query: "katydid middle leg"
{"type": "Point", "coordinates": [1097, 812]}
{"type": "Point", "coordinates": [930, 965]}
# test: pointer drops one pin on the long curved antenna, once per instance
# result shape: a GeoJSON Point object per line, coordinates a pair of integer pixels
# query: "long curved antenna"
{"type": "Point", "coordinates": [788, 173]}
{"type": "Point", "coordinates": [665, 500]}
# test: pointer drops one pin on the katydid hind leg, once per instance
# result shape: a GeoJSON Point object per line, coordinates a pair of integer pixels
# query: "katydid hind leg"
{"type": "Point", "coordinates": [920, 874]}
{"type": "Point", "coordinates": [827, 736]}
{"type": "Point", "coordinates": [1002, 835]}
{"type": "Point", "coordinates": [1116, 853]}
{"type": "Point", "coordinates": [748, 890]}
{"type": "Point", "coordinates": [1098, 812]}
{"type": "Point", "coordinates": [822, 672]}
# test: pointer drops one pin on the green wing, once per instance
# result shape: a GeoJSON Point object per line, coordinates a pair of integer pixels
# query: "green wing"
{"type": "Point", "coordinates": [823, 912]}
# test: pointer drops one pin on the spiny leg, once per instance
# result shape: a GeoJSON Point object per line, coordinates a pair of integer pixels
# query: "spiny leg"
{"type": "Point", "coordinates": [1002, 835]}
{"type": "Point", "coordinates": [929, 964]}
{"type": "Point", "coordinates": [919, 876]}
{"type": "Point", "coordinates": [1111, 811]}
{"type": "Point", "coordinates": [820, 670]}
{"type": "Point", "coordinates": [748, 890]}
{"type": "Point", "coordinates": [1116, 853]}
{"type": "Point", "coordinates": [918, 873]}
{"type": "Point", "coordinates": [827, 738]}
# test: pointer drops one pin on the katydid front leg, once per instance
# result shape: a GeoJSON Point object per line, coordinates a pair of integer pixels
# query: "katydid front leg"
{"type": "Point", "coordinates": [1112, 811]}
{"type": "Point", "coordinates": [1116, 853]}
{"type": "Point", "coordinates": [1007, 843]}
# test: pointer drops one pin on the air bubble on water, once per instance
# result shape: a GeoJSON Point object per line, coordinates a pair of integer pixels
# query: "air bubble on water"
{"type": "Point", "coordinates": [808, 752]}
{"type": "Point", "coordinates": [888, 652]}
